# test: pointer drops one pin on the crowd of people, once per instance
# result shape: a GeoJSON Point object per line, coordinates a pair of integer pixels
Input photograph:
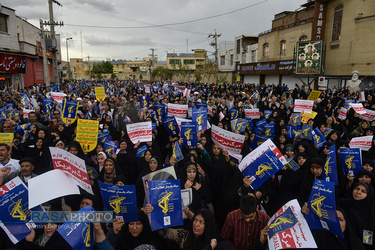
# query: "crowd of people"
{"type": "Point", "coordinates": [226, 213]}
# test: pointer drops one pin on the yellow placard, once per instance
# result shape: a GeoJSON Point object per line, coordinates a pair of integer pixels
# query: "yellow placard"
{"type": "Point", "coordinates": [87, 134]}
{"type": "Point", "coordinates": [100, 93]}
{"type": "Point", "coordinates": [6, 138]}
{"type": "Point", "coordinates": [307, 116]}
{"type": "Point", "coordinates": [314, 95]}
{"type": "Point", "coordinates": [238, 78]}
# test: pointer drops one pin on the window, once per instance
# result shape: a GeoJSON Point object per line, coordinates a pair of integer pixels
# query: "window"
{"type": "Point", "coordinates": [3, 23]}
{"type": "Point", "coordinates": [222, 60]}
{"type": "Point", "coordinates": [266, 50]}
{"type": "Point", "coordinates": [189, 61]}
{"type": "Point", "coordinates": [337, 19]}
{"type": "Point", "coordinates": [253, 56]}
{"type": "Point", "coordinates": [303, 38]}
{"type": "Point", "coordinates": [174, 61]}
{"type": "Point", "coordinates": [283, 48]}
{"type": "Point", "coordinates": [238, 46]}
{"type": "Point", "coordinates": [231, 59]}
{"type": "Point", "coordinates": [199, 67]}
{"type": "Point", "coordinates": [244, 57]}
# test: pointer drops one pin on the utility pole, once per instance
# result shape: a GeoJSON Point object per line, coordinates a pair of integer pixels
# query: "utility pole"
{"type": "Point", "coordinates": [45, 62]}
{"type": "Point", "coordinates": [215, 36]}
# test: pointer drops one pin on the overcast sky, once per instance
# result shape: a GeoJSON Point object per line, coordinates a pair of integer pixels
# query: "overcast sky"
{"type": "Point", "coordinates": [129, 41]}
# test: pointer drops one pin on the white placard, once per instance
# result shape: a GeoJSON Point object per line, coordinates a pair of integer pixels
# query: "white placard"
{"type": "Point", "coordinates": [141, 131]}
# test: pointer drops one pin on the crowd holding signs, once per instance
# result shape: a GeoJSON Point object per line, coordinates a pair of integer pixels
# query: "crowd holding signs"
{"type": "Point", "coordinates": [135, 165]}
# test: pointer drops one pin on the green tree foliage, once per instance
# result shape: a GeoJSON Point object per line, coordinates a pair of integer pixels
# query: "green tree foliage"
{"type": "Point", "coordinates": [102, 68]}
{"type": "Point", "coordinates": [162, 73]}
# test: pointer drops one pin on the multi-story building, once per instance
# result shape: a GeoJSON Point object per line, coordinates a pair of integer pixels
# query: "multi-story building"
{"type": "Point", "coordinates": [344, 26]}
{"type": "Point", "coordinates": [21, 57]}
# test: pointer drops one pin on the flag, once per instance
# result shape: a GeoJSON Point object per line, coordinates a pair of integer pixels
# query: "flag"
{"type": "Point", "coordinates": [262, 168]}
{"type": "Point", "coordinates": [78, 234]}
{"type": "Point", "coordinates": [121, 200]}
{"type": "Point", "coordinates": [296, 119]}
{"type": "Point", "coordinates": [306, 132]}
{"type": "Point", "coordinates": [200, 118]}
{"type": "Point", "coordinates": [110, 147]}
{"type": "Point", "coordinates": [330, 166]}
{"type": "Point", "coordinates": [176, 153]}
{"type": "Point", "coordinates": [233, 113]}
{"type": "Point", "coordinates": [171, 126]}
{"type": "Point", "coordinates": [351, 160]}
{"type": "Point", "coordinates": [318, 137]}
{"type": "Point", "coordinates": [189, 134]}
{"type": "Point", "coordinates": [144, 101]}
{"type": "Point", "coordinates": [322, 215]}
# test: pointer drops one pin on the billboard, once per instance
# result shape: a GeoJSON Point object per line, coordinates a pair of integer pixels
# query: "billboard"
{"type": "Point", "coordinates": [309, 58]}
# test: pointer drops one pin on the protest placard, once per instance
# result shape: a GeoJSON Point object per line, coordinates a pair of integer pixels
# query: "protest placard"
{"type": "Point", "coordinates": [140, 131]}
{"type": "Point", "coordinates": [227, 140]}
{"type": "Point", "coordinates": [87, 134]}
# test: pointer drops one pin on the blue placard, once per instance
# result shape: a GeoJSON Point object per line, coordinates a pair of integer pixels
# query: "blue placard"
{"type": "Point", "coordinates": [318, 137]}
{"type": "Point", "coordinates": [91, 172]}
{"type": "Point", "coordinates": [122, 200]}
{"type": "Point", "coordinates": [347, 103]}
{"type": "Point", "coordinates": [96, 111]}
{"type": "Point", "coordinates": [103, 137]}
{"type": "Point", "coordinates": [292, 164]}
{"type": "Point", "coordinates": [171, 126]}
{"type": "Point", "coordinates": [153, 126]}
{"type": "Point", "coordinates": [293, 131]}
{"type": "Point", "coordinates": [70, 109]}
{"type": "Point", "coordinates": [160, 110]}
{"type": "Point", "coordinates": [154, 117]}
{"type": "Point", "coordinates": [322, 207]}
{"type": "Point", "coordinates": [2, 113]}
{"type": "Point", "coordinates": [283, 222]}
{"type": "Point", "coordinates": [165, 197]}
{"type": "Point", "coordinates": [78, 234]}
{"type": "Point", "coordinates": [262, 168]}
{"type": "Point", "coordinates": [199, 116]}
{"type": "Point", "coordinates": [200, 105]}
{"type": "Point", "coordinates": [269, 130]}
{"type": "Point", "coordinates": [250, 125]}
{"type": "Point", "coordinates": [176, 152]}
{"type": "Point", "coordinates": [306, 132]}
{"type": "Point", "coordinates": [110, 147]}
{"type": "Point", "coordinates": [144, 101]}
{"type": "Point", "coordinates": [241, 125]}
{"type": "Point", "coordinates": [141, 151]}
{"type": "Point", "coordinates": [327, 131]}
{"type": "Point", "coordinates": [258, 140]}
{"type": "Point", "coordinates": [290, 102]}
{"type": "Point", "coordinates": [233, 113]}
{"type": "Point", "coordinates": [9, 113]}
{"type": "Point", "coordinates": [295, 119]}
{"type": "Point", "coordinates": [189, 134]}
{"type": "Point", "coordinates": [25, 100]}
{"type": "Point", "coordinates": [267, 114]}
{"type": "Point", "coordinates": [351, 160]}
{"type": "Point", "coordinates": [47, 107]}
{"type": "Point", "coordinates": [260, 123]}
{"type": "Point", "coordinates": [9, 105]}
{"type": "Point", "coordinates": [21, 129]}
{"type": "Point", "coordinates": [330, 167]}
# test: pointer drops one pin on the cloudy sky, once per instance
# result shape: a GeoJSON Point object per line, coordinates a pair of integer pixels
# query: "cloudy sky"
{"type": "Point", "coordinates": [121, 29]}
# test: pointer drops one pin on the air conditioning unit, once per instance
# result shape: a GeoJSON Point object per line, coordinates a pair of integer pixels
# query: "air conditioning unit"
{"type": "Point", "coordinates": [51, 43]}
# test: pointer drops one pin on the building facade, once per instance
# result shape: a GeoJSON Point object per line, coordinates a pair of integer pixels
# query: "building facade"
{"type": "Point", "coordinates": [21, 60]}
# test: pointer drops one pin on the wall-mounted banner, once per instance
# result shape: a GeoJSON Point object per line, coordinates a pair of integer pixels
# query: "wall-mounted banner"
{"type": "Point", "coordinates": [322, 215]}
{"type": "Point", "coordinates": [141, 131]}
{"type": "Point", "coordinates": [252, 113]}
{"type": "Point", "coordinates": [299, 236]}
{"type": "Point", "coordinates": [165, 197]}
{"type": "Point", "coordinates": [122, 200]}
{"type": "Point", "coordinates": [87, 134]}
{"type": "Point", "coordinates": [177, 110]}
{"type": "Point", "coordinates": [303, 105]}
{"type": "Point", "coordinates": [227, 140]}
{"type": "Point", "coordinates": [309, 58]}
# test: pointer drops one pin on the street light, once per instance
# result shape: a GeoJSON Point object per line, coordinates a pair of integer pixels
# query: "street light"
{"type": "Point", "coordinates": [67, 55]}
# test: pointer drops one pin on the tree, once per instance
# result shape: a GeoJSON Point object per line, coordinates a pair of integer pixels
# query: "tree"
{"type": "Point", "coordinates": [183, 71]}
{"type": "Point", "coordinates": [162, 73]}
{"type": "Point", "coordinates": [198, 75]}
{"type": "Point", "coordinates": [209, 69]}
{"type": "Point", "coordinates": [102, 68]}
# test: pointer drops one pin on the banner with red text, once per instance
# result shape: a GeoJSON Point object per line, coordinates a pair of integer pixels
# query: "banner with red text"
{"type": "Point", "coordinates": [73, 166]}
{"type": "Point", "coordinates": [57, 96]}
{"type": "Point", "coordinates": [342, 113]}
{"type": "Point", "coordinates": [141, 131]}
{"type": "Point", "coordinates": [297, 236]}
{"type": "Point", "coordinates": [252, 113]}
{"type": "Point", "coordinates": [303, 105]}
{"type": "Point", "coordinates": [177, 110]}
{"type": "Point", "coordinates": [362, 142]}
{"type": "Point", "coordinates": [227, 140]}
{"type": "Point", "coordinates": [358, 107]}
{"type": "Point", "coordinates": [369, 115]}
